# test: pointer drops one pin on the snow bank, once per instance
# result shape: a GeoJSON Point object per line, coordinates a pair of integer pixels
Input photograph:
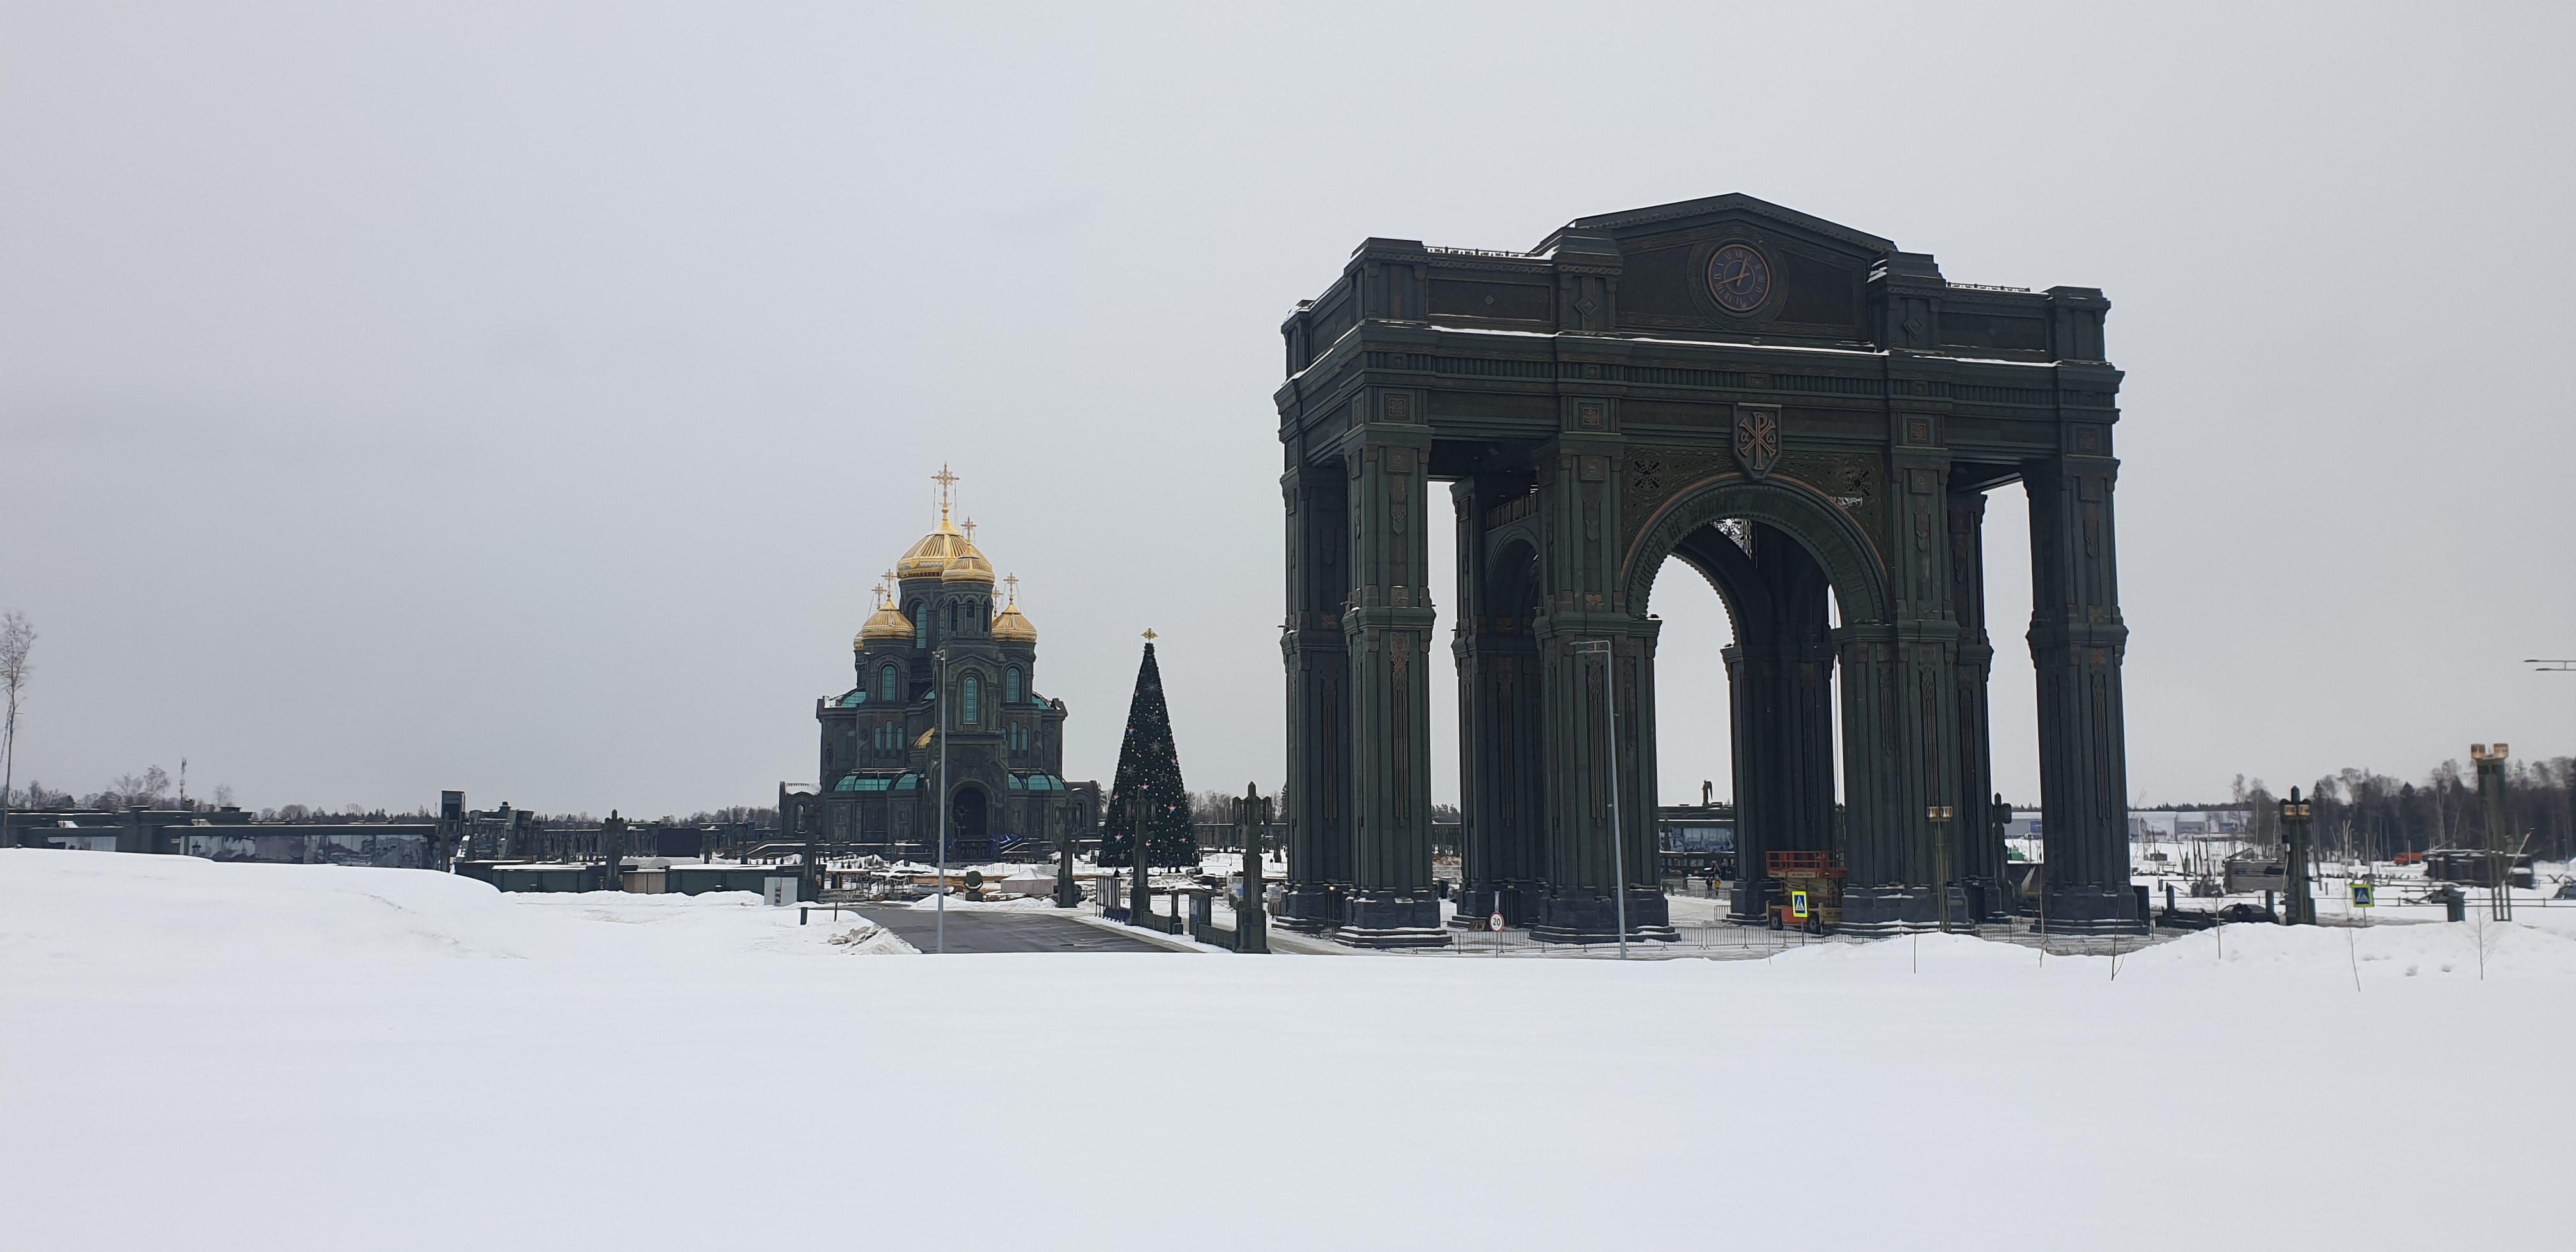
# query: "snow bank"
{"type": "Point", "coordinates": [1015, 904]}
{"type": "Point", "coordinates": [870, 939]}
{"type": "Point", "coordinates": [119, 912]}
{"type": "Point", "coordinates": [294, 1057]}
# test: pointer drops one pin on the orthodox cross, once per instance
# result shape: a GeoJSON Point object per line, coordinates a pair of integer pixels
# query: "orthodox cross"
{"type": "Point", "coordinates": [1013, 582]}
{"type": "Point", "coordinates": [947, 487]}
{"type": "Point", "coordinates": [970, 530]}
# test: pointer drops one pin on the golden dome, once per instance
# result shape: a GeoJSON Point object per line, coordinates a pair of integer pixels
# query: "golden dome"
{"type": "Point", "coordinates": [930, 557]}
{"type": "Point", "coordinates": [1012, 626]}
{"type": "Point", "coordinates": [969, 565]}
{"type": "Point", "coordinates": [885, 623]}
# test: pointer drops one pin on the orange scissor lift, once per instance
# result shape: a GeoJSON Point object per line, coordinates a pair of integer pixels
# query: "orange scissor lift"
{"type": "Point", "coordinates": [1820, 875]}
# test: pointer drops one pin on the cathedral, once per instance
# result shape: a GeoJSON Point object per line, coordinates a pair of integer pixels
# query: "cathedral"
{"type": "Point", "coordinates": [938, 657]}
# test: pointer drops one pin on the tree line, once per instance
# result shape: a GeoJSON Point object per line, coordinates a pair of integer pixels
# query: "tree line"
{"type": "Point", "coordinates": [2364, 813]}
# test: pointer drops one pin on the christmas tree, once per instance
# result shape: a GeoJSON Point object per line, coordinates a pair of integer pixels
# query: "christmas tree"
{"type": "Point", "coordinates": [1149, 776]}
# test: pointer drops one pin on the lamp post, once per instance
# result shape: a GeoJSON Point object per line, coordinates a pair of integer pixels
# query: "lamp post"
{"type": "Point", "coordinates": [940, 905]}
{"type": "Point", "coordinates": [1941, 815]}
{"type": "Point", "coordinates": [1618, 845]}
{"type": "Point", "coordinates": [2499, 854]}
{"type": "Point", "coordinates": [2302, 910]}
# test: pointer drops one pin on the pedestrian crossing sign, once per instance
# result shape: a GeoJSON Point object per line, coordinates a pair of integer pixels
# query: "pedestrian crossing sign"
{"type": "Point", "coordinates": [1798, 905]}
{"type": "Point", "coordinates": [2361, 895]}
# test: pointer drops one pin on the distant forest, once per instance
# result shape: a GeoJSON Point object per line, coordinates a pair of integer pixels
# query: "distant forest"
{"type": "Point", "coordinates": [2365, 813]}
{"type": "Point", "coordinates": [155, 789]}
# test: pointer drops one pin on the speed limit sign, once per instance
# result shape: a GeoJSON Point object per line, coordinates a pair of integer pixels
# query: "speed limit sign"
{"type": "Point", "coordinates": [1495, 922]}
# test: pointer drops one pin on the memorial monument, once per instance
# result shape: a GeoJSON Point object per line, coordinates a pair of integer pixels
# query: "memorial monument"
{"type": "Point", "coordinates": [1807, 417]}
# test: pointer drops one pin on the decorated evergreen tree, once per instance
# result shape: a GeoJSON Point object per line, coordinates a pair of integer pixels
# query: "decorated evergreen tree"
{"type": "Point", "coordinates": [1149, 775]}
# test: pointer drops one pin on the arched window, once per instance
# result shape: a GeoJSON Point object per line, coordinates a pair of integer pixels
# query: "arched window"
{"type": "Point", "coordinates": [886, 689]}
{"type": "Point", "coordinates": [1011, 686]}
{"type": "Point", "coordinates": [951, 623]}
{"type": "Point", "coordinates": [920, 625]}
{"type": "Point", "coordinates": [973, 697]}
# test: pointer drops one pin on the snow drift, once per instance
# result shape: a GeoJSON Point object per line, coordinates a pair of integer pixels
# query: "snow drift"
{"type": "Point", "coordinates": [236, 1056]}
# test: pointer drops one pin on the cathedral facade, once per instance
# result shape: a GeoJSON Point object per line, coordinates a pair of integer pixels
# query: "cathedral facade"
{"type": "Point", "coordinates": [942, 656]}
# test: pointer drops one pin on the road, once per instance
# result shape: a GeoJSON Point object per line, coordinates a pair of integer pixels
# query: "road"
{"type": "Point", "coordinates": [976, 930]}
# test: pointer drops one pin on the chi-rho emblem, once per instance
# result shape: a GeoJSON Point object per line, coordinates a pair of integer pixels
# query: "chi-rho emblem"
{"type": "Point", "coordinates": [1757, 440]}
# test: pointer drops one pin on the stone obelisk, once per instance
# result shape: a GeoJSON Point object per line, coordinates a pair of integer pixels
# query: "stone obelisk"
{"type": "Point", "coordinates": [1251, 919]}
{"type": "Point", "coordinates": [1140, 896]}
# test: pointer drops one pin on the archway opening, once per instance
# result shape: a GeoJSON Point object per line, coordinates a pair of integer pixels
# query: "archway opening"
{"type": "Point", "coordinates": [1694, 742]}
{"type": "Point", "coordinates": [1781, 573]}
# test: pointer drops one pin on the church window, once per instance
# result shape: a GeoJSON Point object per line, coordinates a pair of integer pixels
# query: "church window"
{"type": "Point", "coordinates": [951, 624]}
{"type": "Point", "coordinates": [1011, 686]}
{"type": "Point", "coordinates": [920, 625]}
{"type": "Point", "coordinates": [974, 692]}
{"type": "Point", "coordinates": [886, 690]}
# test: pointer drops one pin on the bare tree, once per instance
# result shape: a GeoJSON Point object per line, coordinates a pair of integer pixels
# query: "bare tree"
{"type": "Point", "coordinates": [17, 638]}
{"type": "Point", "coordinates": [144, 790]}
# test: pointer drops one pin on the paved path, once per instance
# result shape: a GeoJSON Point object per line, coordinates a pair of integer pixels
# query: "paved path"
{"type": "Point", "coordinates": [977, 930]}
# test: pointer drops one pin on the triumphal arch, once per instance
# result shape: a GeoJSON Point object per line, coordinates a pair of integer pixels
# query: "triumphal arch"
{"type": "Point", "coordinates": [1808, 418]}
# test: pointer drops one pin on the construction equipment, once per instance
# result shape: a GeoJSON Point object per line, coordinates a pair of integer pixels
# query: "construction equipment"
{"type": "Point", "coordinates": [1819, 875]}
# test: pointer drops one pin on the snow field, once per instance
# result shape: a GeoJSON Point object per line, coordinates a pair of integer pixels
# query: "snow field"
{"type": "Point", "coordinates": [234, 1056]}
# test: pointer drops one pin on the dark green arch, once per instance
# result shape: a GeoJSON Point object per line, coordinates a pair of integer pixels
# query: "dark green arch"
{"type": "Point", "coordinates": [1828, 533]}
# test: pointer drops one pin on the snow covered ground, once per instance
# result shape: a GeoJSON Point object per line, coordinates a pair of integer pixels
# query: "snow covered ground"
{"type": "Point", "coordinates": [267, 1056]}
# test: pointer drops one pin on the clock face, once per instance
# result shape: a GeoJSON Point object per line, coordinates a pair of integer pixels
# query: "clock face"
{"type": "Point", "coordinates": [1739, 278]}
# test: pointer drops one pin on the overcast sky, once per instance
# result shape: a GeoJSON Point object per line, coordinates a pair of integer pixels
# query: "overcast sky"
{"type": "Point", "coordinates": [522, 398]}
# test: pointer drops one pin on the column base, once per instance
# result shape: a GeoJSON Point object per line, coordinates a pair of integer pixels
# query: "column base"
{"type": "Point", "coordinates": [1480, 901]}
{"type": "Point", "coordinates": [2091, 910]}
{"type": "Point", "coordinates": [1251, 932]}
{"type": "Point", "coordinates": [1898, 910]}
{"type": "Point", "coordinates": [1582, 915]}
{"type": "Point", "coordinates": [1990, 899]}
{"type": "Point", "coordinates": [1753, 901]}
{"type": "Point", "coordinates": [1388, 919]}
{"type": "Point", "coordinates": [1311, 908]}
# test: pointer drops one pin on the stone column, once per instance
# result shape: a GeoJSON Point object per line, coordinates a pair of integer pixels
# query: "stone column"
{"type": "Point", "coordinates": [2076, 642]}
{"type": "Point", "coordinates": [1251, 921]}
{"type": "Point", "coordinates": [1501, 774]}
{"type": "Point", "coordinates": [1311, 644]}
{"type": "Point", "coordinates": [1583, 597]}
{"type": "Point", "coordinates": [1900, 699]}
{"type": "Point", "coordinates": [1978, 839]}
{"type": "Point", "coordinates": [1386, 633]}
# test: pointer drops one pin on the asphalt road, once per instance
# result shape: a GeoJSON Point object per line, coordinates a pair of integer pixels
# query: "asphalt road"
{"type": "Point", "coordinates": [974, 930]}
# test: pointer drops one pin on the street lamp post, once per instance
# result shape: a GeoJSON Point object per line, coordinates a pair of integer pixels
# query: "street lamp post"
{"type": "Point", "coordinates": [2294, 830]}
{"type": "Point", "coordinates": [2500, 853]}
{"type": "Point", "coordinates": [940, 905]}
{"type": "Point", "coordinates": [1618, 845]}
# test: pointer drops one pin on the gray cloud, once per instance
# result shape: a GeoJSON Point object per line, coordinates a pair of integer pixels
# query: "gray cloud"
{"type": "Point", "coordinates": [523, 398]}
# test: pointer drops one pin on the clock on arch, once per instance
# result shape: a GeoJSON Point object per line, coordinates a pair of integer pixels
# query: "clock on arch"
{"type": "Point", "coordinates": [1739, 277]}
